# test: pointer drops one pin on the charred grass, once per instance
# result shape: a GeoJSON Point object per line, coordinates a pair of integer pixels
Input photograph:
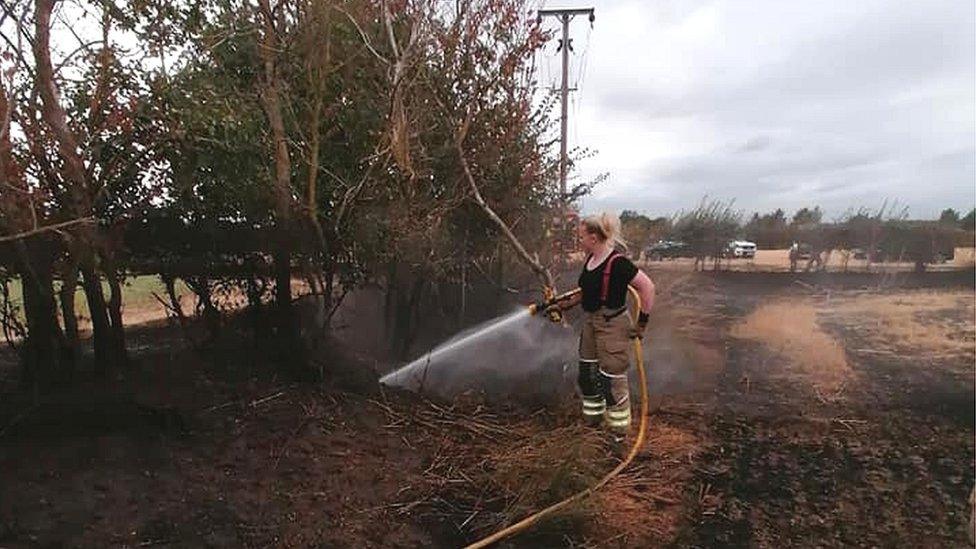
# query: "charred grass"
{"type": "Point", "coordinates": [786, 456]}
{"type": "Point", "coordinates": [489, 471]}
{"type": "Point", "coordinates": [254, 461]}
{"type": "Point", "coordinates": [887, 461]}
{"type": "Point", "coordinates": [924, 324]}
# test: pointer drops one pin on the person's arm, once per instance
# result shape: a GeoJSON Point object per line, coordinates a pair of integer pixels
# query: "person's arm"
{"type": "Point", "coordinates": [645, 289]}
{"type": "Point", "coordinates": [571, 301]}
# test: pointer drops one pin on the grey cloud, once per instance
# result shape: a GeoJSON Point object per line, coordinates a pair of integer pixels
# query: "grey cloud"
{"type": "Point", "coordinates": [757, 143]}
{"type": "Point", "coordinates": [863, 101]}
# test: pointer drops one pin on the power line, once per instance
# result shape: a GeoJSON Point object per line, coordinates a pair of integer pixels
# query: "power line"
{"type": "Point", "coordinates": [580, 77]}
{"type": "Point", "coordinates": [581, 67]}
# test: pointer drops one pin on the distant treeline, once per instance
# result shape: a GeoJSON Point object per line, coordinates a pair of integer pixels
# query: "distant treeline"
{"type": "Point", "coordinates": [881, 235]}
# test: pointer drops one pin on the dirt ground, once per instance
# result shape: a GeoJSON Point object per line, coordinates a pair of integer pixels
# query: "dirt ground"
{"type": "Point", "coordinates": [810, 410]}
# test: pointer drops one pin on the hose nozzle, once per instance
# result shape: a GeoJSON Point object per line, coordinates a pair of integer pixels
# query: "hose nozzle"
{"type": "Point", "coordinates": [548, 304]}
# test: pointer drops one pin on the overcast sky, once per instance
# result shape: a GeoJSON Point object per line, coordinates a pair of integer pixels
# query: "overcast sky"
{"type": "Point", "coordinates": [775, 103]}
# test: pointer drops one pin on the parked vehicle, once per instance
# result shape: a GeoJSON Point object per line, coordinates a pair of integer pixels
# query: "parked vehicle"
{"type": "Point", "coordinates": [861, 253]}
{"type": "Point", "coordinates": [804, 252]}
{"type": "Point", "coordinates": [667, 249]}
{"type": "Point", "coordinates": [741, 249]}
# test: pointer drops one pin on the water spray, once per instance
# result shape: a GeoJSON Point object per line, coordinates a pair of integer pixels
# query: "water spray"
{"type": "Point", "coordinates": [414, 373]}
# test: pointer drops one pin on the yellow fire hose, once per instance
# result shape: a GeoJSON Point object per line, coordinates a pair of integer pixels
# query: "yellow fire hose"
{"type": "Point", "coordinates": [638, 442]}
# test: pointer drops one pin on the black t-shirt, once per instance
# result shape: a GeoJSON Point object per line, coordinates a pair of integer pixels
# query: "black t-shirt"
{"type": "Point", "coordinates": [621, 273]}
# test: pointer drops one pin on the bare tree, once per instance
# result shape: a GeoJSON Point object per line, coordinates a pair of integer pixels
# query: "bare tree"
{"type": "Point", "coordinates": [707, 229]}
{"type": "Point", "coordinates": [90, 245]}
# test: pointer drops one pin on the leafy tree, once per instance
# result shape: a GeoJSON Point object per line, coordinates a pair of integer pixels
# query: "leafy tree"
{"type": "Point", "coordinates": [969, 221]}
{"type": "Point", "coordinates": [806, 216]}
{"type": "Point", "coordinates": [768, 230]}
{"type": "Point", "coordinates": [707, 229]}
{"type": "Point", "coordinates": [865, 229]}
{"type": "Point", "coordinates": [949, 217]}
{"type": "Point", "coordinates": [85, 149]}
{"type": "Point", "coordinates": [639, 230]}
{"type": "Point", "coordinates": [921, 242]}
{"type": "Point", "coordinates": [346, 141]}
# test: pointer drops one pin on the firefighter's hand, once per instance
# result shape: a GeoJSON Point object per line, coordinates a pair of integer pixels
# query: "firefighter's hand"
{"type": "Point", "coordinates": [567, 304]}
{"type": "Point", "coordinates": [637, 330]}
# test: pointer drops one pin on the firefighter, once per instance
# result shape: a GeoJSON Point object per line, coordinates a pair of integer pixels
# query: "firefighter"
{"type": "Point", "coordinates": [604, 349]}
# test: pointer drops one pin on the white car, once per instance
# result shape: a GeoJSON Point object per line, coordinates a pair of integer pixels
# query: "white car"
{"type": "Point", "coordinates": [741, 248]}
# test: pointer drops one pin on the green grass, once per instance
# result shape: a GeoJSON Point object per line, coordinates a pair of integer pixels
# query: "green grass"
{"type": "Point", "coordinates": [137, 293]}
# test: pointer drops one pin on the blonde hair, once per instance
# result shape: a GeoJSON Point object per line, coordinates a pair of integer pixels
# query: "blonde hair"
{"type": "Point", "coordinates": [606, 226]}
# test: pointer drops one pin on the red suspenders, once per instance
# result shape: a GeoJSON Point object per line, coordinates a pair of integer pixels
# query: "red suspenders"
{"type": "Point", "coordinates": [605, 288]}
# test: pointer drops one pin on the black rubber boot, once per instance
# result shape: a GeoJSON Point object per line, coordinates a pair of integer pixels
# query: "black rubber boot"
{"type": "Point", "coordinates": [591, 387]}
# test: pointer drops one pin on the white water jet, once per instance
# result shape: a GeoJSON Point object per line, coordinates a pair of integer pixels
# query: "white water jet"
{"type": "Point", "coordinates": [414, 374]}
{"type": "Point", "coordinates": [523, 357]}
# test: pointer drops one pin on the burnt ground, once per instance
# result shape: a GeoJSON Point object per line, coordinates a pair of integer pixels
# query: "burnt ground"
{"type": "Point", "coordinates": [888, 463]}
{"type": "Point", "coordinates": [215, 450]}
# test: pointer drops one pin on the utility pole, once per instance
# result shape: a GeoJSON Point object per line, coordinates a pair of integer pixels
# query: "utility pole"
{"type": "Point", "coordinates": [565, 16]}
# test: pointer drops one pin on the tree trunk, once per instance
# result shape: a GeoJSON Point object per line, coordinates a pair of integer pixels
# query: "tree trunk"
{"type": "Point", "coordinates": [407, 316]}
{"type": "Point", "coordinates": [169, 282]}
{"type": "Point", "coordinates": [205, 307]}
{"type": "Point", "coordinates": [289, 340]}
{"type": "Point", "coordinates": [316, 69]}
{"type": "Point", "coordinates": [255, 309]}
{"type": "Point", "coordinates": [101, 329]}
{"type": "Point", "coordinates": [44, 352]}
{"type": "Point", "coordinates": [328, 281]}
{"type": "Point", "coordinates": [414, 313]}
{"type": "Point", "coordinates": [282, 274]}
{"type": "Point", "coordinates": [41, 356]}
{"type": "Point", "coordinates": [120, 356]}
{"type": "Point", "coordinates": [69, 286]}
{"type": "Point", "coordinates": [118, 323]}
{"type": "Point", "coordinates": [76, 179]}
{"type": "Point", "coordinates": [389, 303]}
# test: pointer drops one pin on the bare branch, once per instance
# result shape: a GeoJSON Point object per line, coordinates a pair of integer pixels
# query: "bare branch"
{"type": "Point", "coordinates": [541, 271]}
{"type": "Point", "coordinates": [52, 111]}
{"type": "Point", "coordinates": [352, 193]}
{"type": "Point", "coordinates": [46, 228]}
{"type": "Point", "coordinates": [8, 11]}
{"type": "Point", "coordinates": [365, 38]}
{"type": "Point", "coordinates": [81, 48]}
{"type": "Point", "coordinates": [389, 32]}
{"type": "Point", "coordinates": [21, 35]}
{"type": "Point", "coordinates": [8, 111]}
